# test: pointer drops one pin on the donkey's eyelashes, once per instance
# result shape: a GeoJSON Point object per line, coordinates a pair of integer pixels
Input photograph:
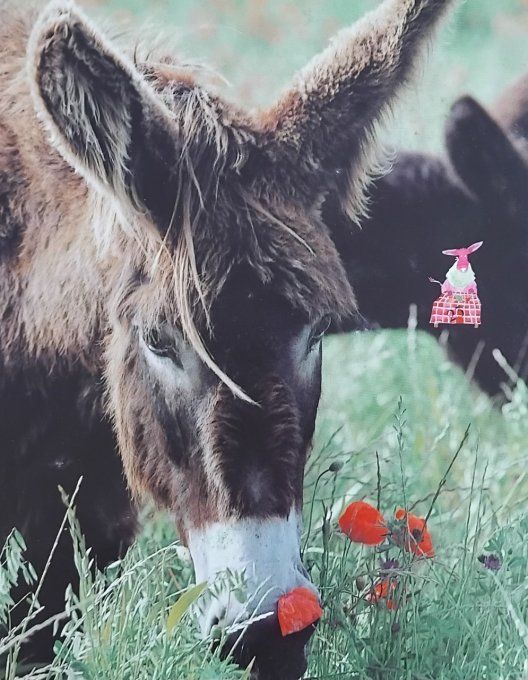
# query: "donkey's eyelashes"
{"type": "Point", "coordinates": [155, 341]}
{"type": "Point", "coordinates": [162, 345]}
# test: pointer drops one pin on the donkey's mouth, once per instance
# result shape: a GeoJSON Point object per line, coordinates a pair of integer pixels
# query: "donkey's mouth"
{"type": "Point", "coordinates": [263, 552]}
{"type": "Point", "coordinates": [250, 563]}
{"type": "Point", "coordinates": [274, 657]}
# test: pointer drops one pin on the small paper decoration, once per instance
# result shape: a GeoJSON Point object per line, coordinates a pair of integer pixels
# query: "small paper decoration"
{"type": "Point", "coordinates": [459, 302]}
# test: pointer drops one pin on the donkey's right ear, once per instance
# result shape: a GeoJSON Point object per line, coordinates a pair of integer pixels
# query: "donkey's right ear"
{"type": "Point", "coordinates": [486, 159]}
{"type": "Point", "coordinates": [103, 117]}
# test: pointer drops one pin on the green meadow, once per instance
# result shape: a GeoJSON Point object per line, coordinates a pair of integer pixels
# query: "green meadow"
{"type": "Point", "coordinates": [399, 425]}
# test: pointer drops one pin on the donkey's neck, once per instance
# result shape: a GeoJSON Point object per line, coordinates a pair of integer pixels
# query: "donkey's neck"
{"type": "Point", "coordinates": [52, 283]}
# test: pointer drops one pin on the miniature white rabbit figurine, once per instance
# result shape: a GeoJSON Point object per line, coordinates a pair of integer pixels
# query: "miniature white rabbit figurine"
{"type": "Point", "coordinates": [460, 278]}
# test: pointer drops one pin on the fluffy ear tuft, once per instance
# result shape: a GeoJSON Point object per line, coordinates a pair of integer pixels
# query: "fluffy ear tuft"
{"type": "Point", "coordinates": [103, 117]}
{"type": "Point", "coordinates": [324, 124]}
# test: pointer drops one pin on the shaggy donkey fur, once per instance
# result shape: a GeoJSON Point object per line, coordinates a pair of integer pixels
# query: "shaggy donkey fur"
{"type": "Point", "coordinates": [166, 278]}
{"type": "Point", "coordinates": [426, 204]}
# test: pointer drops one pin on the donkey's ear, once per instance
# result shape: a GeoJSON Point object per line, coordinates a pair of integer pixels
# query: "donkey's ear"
{"type": "Point", "coordinates": [454, 253]}
{"type": "Point", "coordinates": [102, 115]}
{"type": "Point", "coordinates": [322, 127]}
{"type": "Point", "coordinates": [486, 159]}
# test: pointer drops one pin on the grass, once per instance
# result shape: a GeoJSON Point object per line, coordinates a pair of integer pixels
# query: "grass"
{"type": "Point", "coordinates": [394, 412]}
{"type": "Point", "coordinates": [460, 620]}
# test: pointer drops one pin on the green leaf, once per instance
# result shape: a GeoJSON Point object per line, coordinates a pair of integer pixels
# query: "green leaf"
{"type": "Point", "coordinates": [183, 603]}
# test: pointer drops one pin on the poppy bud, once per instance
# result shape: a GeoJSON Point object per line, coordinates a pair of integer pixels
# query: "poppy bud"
{"type": "Point", "coordinates": [361, 583]}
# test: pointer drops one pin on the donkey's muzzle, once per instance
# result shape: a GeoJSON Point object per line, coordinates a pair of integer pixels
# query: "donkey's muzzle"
{"type": "Point", "coordinates": [275, 657]}
{"type": "Point", "coordinates": [250, 563]}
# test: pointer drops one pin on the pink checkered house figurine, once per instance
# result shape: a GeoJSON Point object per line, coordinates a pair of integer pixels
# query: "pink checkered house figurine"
{"type": "Point", "coordinates": [459, 302]}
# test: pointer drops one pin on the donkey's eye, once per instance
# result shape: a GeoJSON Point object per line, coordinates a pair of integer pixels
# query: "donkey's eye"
{"type": "Point", "coordinates": [161, 345]}
{"type": "Point", "coordinates": [319, 330]}
{"type": "Point", "coordinates": [156, 343]}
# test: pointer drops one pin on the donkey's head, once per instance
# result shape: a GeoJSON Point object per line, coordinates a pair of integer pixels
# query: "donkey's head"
{"type": "Point", "coordinates": [221, 280]}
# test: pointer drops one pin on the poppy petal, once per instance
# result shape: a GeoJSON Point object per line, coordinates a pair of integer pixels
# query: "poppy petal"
{"type": "Point", "coordinates": [363, 523]}
{"type": "Point", "coordinates": [417, 538]}
{"type": "Point", "coordinates": [297, 610]}
{"type": "Point", "coordinates": [383, 590]}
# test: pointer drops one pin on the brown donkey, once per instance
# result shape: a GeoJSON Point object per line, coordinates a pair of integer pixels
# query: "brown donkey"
{"type": "Point", "coordinates": [165, 278]}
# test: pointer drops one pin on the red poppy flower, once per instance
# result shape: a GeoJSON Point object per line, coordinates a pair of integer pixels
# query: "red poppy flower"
{"type": "Point", "coordinates": [297, 610]}
{"type": "Point", "coordinates": [382, 591]}
{"type": "Point", "coordinates": [362, 523]}
{"type": "Point", "coordinates": [416, 538]}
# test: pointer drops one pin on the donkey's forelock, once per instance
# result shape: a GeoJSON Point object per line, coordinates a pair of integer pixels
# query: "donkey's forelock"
{"type": "Point", "coordinates": [221, 186]}
{"type": "Point", "coordinates": [156, 144]}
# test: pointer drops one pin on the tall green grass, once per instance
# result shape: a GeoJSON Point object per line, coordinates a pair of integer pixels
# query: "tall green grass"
{"type": "Point", "coordinates": [459, 619]}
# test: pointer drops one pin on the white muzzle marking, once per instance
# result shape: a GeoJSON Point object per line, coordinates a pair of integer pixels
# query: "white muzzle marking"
{"type": "Point", "coordinates": [265, 551]}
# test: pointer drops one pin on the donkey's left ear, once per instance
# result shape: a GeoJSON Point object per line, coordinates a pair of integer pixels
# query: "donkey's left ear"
{"type": "Point", "coordinates": [102, 115]}
{"type": "Point", "coordinates": [321, 129]}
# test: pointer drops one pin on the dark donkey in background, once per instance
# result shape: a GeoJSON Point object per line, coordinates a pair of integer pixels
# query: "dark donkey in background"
{"type": "Point", "coordinates": [165, 282]}
{"type": "Point", "coordinates": [426, 204]}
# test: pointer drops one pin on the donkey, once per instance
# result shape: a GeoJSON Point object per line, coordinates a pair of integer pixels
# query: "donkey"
{"type": "Point", "coordinates": [425, 203]}
{"type": "Point", "coordinates": [165, 283]}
